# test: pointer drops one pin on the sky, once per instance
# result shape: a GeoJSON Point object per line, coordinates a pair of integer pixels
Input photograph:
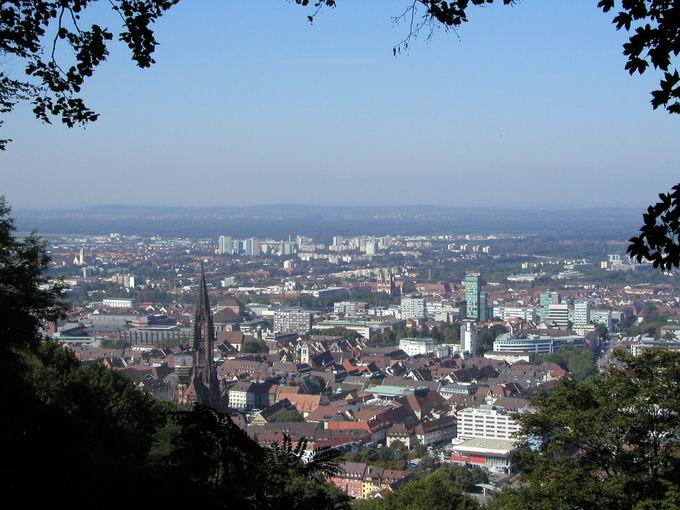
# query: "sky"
{"type": "Point", "coordinates": [248, 104]}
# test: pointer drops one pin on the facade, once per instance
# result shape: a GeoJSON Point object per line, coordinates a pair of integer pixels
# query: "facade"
{"type": "Point", "coordinates": [242, 396]}
{"type": "Point", "coordinates": [349, 307]}
{"type": "Point", "coordinates": [225, 245]}
{"type": "Point", "coordinates": [645, 343]}
{"type": "Point", "coordinates": [558, 314]}
{"type": "Point", "coordinates": [486, 421]}
{"type": "Point", "coordinates": [292, 321]}
{"type": "Point", "coordinates": [415, 346]}
{"type": "Point", "coordinates": [473, 295]}
{"type": "Point", "coordinates": [436, 431]}
{"type": "Point", "coordinates": [581, 313]}
{"type": "Point", "coordinates": [412, 308]}
{"type": "Point", "coordinates": [493, 455]}
{"type": "Point", "coordinates": [252, 247]}
{"type": "Point", "coordinates": [158, 335]}
{"type": "Point", "coordinates": [359, 480]}
{"type": "Point", "coordinates": [603, 317]}
{"type": "Point", "coordinates": [366, 328]}
{"type": "Point", "coordinates": [548, 298]}
{"type": "Point", "coordinates": [117, 302]}
{"type": "Point", "coordinates": [526, 313]}
{"type": "Point", "coordinates": [524, 345]}
{"type": "Point", "coordinates": [468, 336]}
{"type": "Point", "coordinates": [451, 390]}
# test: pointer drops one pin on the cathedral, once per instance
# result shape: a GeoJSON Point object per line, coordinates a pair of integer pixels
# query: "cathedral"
{"type": "Point", "coordinates": [386, 283]}
{"type": "Point", "coordinates": [204, 387]}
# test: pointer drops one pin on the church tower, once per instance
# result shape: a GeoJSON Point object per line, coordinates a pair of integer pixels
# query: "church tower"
{"type": "Point", "coordinates": [204, 380]}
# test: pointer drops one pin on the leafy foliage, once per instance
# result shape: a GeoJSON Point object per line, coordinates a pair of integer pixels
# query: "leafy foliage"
{"type": "Point", "coordinates": [393, 457]}
{"type": "Point", "coordinates": [611, 442]}
{"type": "Point", "coordinates": [659, 239]}
{"type": "Point", "coordinates": [289, 416]}
{"type": "Point", "coordinates": [440, 490]}
{"type": "Point", "coordinates": [580, 363]}
{"type": "Point", "coordinates": [254, 345]}
{"type": "Point", "coordinates": [32, 31]}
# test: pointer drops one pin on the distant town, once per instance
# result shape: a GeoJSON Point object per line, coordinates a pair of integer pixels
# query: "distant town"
{"type": "Point", "coordinates": [398, 350]}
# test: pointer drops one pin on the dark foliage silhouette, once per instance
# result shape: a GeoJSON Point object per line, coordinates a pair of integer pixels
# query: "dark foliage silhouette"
{"type": "Point", "coordinates": [659, 239]}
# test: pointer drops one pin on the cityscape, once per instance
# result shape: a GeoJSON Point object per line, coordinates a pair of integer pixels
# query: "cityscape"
{"type": "Point", "coordinates": [340, 254]}
{"type": "Point", "coordinates": [424, 346]}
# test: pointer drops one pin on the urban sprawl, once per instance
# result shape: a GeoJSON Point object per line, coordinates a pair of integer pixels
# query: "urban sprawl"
{"type": "Point", "coordinates": [425, 347]}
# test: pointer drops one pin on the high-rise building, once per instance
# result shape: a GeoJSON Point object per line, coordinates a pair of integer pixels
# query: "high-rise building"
{"type": "Point", "coordinates": [468, 336]}
{"type": "Point", "coordinates": [252, 247]}
{"type": "Point", "coordinates": [472, 296]}
{"type": "Point", "coordinates": [224, 245]}
{"type": "Point", "coordinates": [371, 247]}
{"type": "Point", "coordinates": [483, 310]}
{"type": "Point", "coordinates": [581, 313]}
{"type": "Point", "coordinates": [548, 298]}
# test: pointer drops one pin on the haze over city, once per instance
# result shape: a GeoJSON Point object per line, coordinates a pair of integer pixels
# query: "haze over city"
{"type": "Point", "coordinates": [249, 104]}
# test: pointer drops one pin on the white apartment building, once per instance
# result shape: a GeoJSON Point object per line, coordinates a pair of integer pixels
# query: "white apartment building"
{"type": "Point", "coordinates": [559, 314]}
{"type": "Point", "coordinates": [241, 396]}
{"type": "Point", "coordinates": [412, 308]}
{"type": "Point", "coordinates": [433, 308]}
{"type": "Point", "coordinates": [525, 313]}
{"type": "Point", "coordinates": [581, 313]}
{"type": "Point", "coordinates": [603, 317]}
{"type": "Point", "coordinates": [292, 321]}
{"type": "Point", "coordinates": [415, 346]}
{"type": "Point", "coordinates": [468, 336]}
{"type": "Point", "coordinates": [117, 302]}
{"type": "Point", "coordinates": [486, 421]}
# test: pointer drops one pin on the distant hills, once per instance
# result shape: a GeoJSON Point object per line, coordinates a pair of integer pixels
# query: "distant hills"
{"type": "Point", "coordinates": [325, 221]}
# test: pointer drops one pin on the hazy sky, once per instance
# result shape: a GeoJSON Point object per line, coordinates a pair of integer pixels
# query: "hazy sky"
{"type": "Point", "coordinates": [249, 104]}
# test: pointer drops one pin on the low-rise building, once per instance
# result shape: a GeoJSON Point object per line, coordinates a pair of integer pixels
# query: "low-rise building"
{"type": "Point", "coordinates": [493, 455]}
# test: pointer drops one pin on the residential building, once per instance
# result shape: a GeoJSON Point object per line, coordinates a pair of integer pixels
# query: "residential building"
{"type": "Point", "coordinates": [581, 313]}
{"type": "Point", "coordinates": [603, 317]}
{"type": "Point", "coordinates": [412, 308]}
{"type": "Point", "coordinates": [117, 302]}
{"type": "Point", "coordinates": [468, 336]}
{"type": "Point", "coordinates": [225, 245]}
{"type": "Point", "coordinates": [526, 313]}
{"type": "Point", "coordinates": [292, 321]}
{"type": "Point", "coordinates": [486, 421]}
{"type": "Point", "coordinates": [436, 431]}
{"type": "Point", "coordinates": [242, 396]}
{"type": "Point", "coordinates": [415, 346]}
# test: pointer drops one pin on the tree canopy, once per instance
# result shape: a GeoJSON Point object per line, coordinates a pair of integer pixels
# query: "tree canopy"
{"type": "Point", "coordinates": [611, 442]}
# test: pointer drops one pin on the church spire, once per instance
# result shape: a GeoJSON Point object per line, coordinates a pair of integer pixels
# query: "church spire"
{"type": "Point", "coordinates": [205, 373]}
